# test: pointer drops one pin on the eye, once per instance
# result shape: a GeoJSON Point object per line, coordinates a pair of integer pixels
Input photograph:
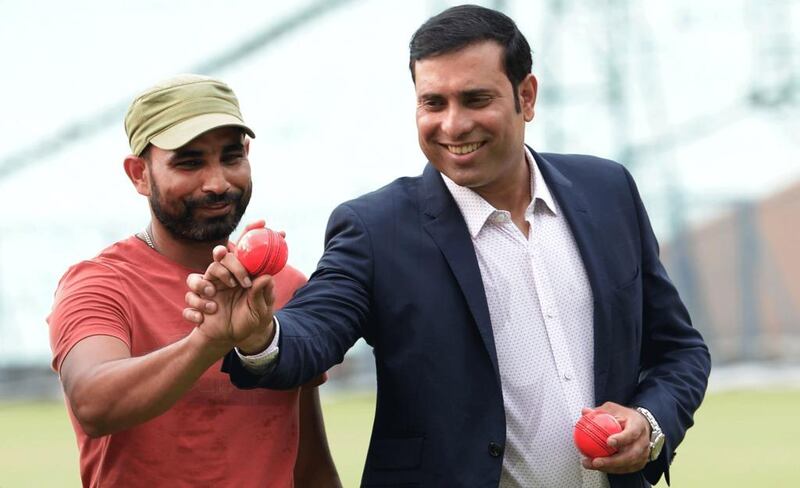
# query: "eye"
{"type": "Point", "coordinates": [188, 163]}
{"type": "Point", "coordinates": [433, 104]}
{"type": "Point", "coordinates": [233, 157]}
{"type": "Point", "coordinates": [477, 101]}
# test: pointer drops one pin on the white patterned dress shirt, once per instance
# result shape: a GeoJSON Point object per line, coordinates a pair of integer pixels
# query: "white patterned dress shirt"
{"type": "Point", "coordinates": [541, 309]}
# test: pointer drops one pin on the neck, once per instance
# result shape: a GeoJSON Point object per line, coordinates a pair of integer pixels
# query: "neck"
{"type": "Point", "coordinates": [513, 193]}
{"type": "Point", "coordinates": [190, 254]}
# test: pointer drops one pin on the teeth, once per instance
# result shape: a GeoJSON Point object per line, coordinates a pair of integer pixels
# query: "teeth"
{"type": "Point", "coordinates": [464, 148]}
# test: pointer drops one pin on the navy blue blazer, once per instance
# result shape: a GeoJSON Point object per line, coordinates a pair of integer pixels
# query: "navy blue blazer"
{"type": "Point", "coordinates": [399, 270]}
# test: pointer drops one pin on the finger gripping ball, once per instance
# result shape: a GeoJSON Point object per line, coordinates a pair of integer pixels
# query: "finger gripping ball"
{"type": "Point", "coordinates": [262, 251]}
{"type": "Point", "coordinates": [592, 431]}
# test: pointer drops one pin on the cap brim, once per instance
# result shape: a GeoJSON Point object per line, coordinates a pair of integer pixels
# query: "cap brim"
{"type": "Point", "coordinates": [182, 133]}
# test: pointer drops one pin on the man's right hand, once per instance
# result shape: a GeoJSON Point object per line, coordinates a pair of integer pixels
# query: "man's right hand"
{"type": "Point", "coordinates": [228, 307]}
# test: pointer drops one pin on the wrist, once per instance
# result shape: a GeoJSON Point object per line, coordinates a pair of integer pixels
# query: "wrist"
{"type": "Point", "coordinates": [258, 341]}
{"type": "Point", "coordinates": [656, 435]}
{"type": "Point", "coordinates": [208, 346]}
{"type": "Point", "coordinates": [649, 426]}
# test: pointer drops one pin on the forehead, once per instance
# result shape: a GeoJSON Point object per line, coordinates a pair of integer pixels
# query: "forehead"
{"type": "Point", "coordinates": [478, 65]}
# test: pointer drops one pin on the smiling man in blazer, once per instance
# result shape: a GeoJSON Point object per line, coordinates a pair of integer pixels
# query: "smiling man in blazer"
{"type": "Point", "coordinates": [503, 292]}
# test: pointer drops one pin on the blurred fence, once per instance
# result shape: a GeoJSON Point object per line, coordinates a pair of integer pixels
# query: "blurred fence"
{"type": "Point", "coordinates": [739, 274]}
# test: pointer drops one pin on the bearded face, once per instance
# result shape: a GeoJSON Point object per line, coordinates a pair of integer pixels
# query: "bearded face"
{"type": "Point", "coordinates": [181, 216]}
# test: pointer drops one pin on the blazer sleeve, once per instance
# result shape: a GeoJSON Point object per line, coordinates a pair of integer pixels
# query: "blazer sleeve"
{"type": "Point", "coordinates": [675, 360]}
{"type": "Point", "coordinates": [326, 316]}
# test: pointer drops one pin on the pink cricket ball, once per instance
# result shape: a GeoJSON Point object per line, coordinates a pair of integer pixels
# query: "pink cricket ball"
{"type": "Point", "coordinates": [262, 251]}
{"type": "Point", "coordinates": [592, 431]}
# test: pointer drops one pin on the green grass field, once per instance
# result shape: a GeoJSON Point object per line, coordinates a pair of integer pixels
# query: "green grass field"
{"type": "Point", "coordinates": [742, 439]}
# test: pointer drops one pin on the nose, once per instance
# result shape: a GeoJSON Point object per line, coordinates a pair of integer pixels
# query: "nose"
{"type": "Point", "coordinates": [215, 180]}
{"type": "Point", "coordinates": [456, 122]}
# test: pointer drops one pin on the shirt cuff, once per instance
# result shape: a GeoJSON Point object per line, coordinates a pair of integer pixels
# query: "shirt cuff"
{"type": "Point", "coordinates": [264, 361]}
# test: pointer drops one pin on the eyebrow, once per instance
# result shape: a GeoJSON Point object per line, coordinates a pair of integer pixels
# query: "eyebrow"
{"type": "Point", "coordinates": [429, 96]}
{"type": "Point", "coordinates": [186, 154]}
{"type": "Point", "coordinates": [464, 94]}
{"type": "Point", "coordinates": [236, 146]}
{"type": "Point", "coordinates": [196, 153]}
{"type": "Point", "coordinates": [476, 92]}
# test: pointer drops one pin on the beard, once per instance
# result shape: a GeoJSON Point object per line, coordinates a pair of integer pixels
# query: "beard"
{"type": "Point", "coordinates": [181, 222]}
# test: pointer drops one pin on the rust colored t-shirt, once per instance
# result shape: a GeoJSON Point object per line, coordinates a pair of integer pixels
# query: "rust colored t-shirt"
{"type": "Point", "coordinates": [216, 434]}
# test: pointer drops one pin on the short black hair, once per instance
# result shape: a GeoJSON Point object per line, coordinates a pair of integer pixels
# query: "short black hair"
{"type": "Point", "coordinates": [458, 27]}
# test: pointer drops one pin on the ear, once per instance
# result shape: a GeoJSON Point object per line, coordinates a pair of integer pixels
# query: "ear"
{"type": "Point", "coordinates": [527, 96]}
{"type": "Point", "coordinates": [136, 169]}
{"type": "Point", "coordinates": [246, 146]}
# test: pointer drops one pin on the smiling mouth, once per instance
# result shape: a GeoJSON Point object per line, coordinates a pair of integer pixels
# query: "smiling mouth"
{"type": "Point", "coordinates": [216, 209]}
{"type": "Point", "coordinates": [462, 149]}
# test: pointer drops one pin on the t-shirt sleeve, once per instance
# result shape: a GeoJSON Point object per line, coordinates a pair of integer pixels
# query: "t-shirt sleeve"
{"type": "Point", "coordinates": [90, 300]}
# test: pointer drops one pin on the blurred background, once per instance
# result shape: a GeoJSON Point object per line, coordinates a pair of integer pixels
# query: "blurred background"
{"type": "Point", "coordinates": [700, 100]}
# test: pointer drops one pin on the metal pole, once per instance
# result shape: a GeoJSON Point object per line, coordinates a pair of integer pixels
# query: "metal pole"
{"type": "Point", "coordinates": [749, 276]}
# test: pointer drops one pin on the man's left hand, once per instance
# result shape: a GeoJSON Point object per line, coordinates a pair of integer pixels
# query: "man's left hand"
{"type": "Point", "coordinates": [228, 310]}
{"type": "Point", "coordinates": [632, 444]}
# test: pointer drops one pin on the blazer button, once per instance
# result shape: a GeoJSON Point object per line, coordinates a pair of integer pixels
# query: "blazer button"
{"type": "Point", "coordinates": [495, 449]}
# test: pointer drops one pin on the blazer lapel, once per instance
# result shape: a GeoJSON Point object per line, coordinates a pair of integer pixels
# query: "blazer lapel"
{"type": "Point", "coordinates": [589, 239]}
{"type": "Point", "coordinates": [447, 228]}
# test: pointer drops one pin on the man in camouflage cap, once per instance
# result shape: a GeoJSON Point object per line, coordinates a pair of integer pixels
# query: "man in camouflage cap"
{"type": "Point", "coordinates": [144, 390]}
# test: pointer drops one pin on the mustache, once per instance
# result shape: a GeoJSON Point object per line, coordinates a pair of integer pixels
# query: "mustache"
{"type": "Point", "coordinates": [230, 196]}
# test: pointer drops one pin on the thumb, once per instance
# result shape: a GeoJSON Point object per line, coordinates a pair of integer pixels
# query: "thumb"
{"type": "Point", "coordinates": [219, 252]}
{"type": "Point", "coordinates": [262, 296]}
{"type": "Point", "coordinates": [627, 436]}
{"type": "Point", "coordinates": [258, 224]}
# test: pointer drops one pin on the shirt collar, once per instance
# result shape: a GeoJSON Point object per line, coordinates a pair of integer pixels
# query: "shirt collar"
{"type": "Point", "coordinates": [476, 210]}
{"type": "Point", "coordinates": [539, 188]}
